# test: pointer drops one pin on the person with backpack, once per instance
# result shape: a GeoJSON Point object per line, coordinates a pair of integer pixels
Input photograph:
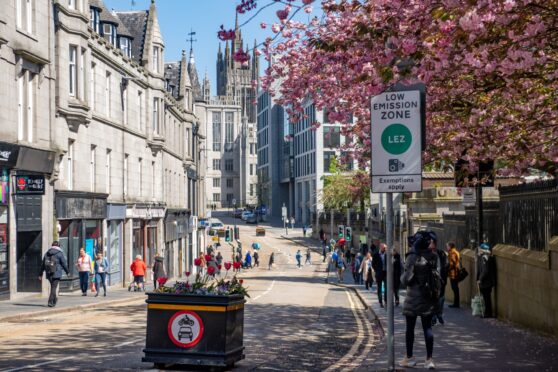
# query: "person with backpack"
{"type": "Point", "coordinates": [486, 277]}
{"type": "Point", "coordinates": [379, 266]}
{"type": "Point", "coordinates": [423, 282]}
{"type": "Point", "coordinates": [53, 263]}
{"type": "Point", "coordinates": [85, 268]}
{"type": "Point", "coordinates": [298, 257]}
{"type": "Point", "coordinates": [158, 269]}
{"type": "Point", "coordinates": [101, 267]}
{"type": "Point", "coordinates": [453, 272]}
{"type": "Point", "coordinates": [366, 271]}
{"type": "Point", "coordinates": [248, 260]}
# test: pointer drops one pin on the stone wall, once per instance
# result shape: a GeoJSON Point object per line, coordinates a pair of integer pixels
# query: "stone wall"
{"type": "Point", "coordinates": [527, 285]}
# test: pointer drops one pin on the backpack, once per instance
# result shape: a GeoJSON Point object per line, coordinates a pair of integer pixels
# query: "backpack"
{"type": "Point", "coordinates": [429, 279]}
{"type": "Point", "coordinates": [50, 264]}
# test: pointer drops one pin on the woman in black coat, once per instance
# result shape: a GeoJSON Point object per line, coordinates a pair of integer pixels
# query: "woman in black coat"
{"type": "Point", "coordinates": [418, 265]}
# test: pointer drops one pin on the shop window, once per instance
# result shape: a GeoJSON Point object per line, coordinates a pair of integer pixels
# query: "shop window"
{"type": "Point", "coordinates": [93, 237]}
{"type": "Point", "coordinates": [70, 239]}
{"type": "Point", "coordinates": [114, 245]}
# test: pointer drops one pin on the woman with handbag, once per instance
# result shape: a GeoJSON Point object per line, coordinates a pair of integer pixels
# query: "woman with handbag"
{"type": "Point", "coordinates": [453, 272]}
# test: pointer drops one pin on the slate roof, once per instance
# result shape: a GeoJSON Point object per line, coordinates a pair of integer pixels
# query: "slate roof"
{"type": "Point", "coordinates": [136, 23]}
{"type": "Point", "coordinates": [172, 77]}
{"type": "Point", "coordinates": [194, 79]}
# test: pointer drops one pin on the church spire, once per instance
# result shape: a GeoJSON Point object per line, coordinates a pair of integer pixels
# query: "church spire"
{"type": "Point", "coordinates": [194, 79]}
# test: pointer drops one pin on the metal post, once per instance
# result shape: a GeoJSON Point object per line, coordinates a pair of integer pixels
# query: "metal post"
{"type": "Point", "coordinates": [234, 219]}
{"type": "Point", "coordinates": [389, 281]}
{"type": "Point", "coordinates": [479, 215]}
{"type": "Point", "coordinates": [331, 224]}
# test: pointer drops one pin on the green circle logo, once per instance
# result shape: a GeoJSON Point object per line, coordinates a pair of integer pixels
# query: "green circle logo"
{"type": "Point", "coordinates": [396, 139]}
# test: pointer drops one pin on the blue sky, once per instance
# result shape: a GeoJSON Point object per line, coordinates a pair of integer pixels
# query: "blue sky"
{"type": "Point", "coordinates": [177, 17]}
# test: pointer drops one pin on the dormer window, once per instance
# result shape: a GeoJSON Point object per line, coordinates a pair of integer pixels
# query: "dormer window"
{"type": "Point", "coordinates": [109, 32]}
{"type": "Point", "coordinates": [126, 46]}
{"type": "Point", "coordinates": [156, 59]}
{"type": "Point", "coordinates": [94, 14]}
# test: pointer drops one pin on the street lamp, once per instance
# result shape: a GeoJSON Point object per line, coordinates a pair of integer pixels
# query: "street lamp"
{"type": "Point", "coordinates": [234, 219]}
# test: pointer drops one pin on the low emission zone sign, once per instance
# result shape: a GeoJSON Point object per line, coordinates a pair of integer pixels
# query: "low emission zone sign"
{"type": "Point", "coordinates": [396, 142]}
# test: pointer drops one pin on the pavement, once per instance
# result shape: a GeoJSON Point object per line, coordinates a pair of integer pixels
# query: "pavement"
{"type": "Point", "coordinates": [36, 306]}
{"type": "Point", "coordinates": [463, 343]}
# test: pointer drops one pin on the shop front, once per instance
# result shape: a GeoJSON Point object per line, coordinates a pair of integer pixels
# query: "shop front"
{"type": "Point", "coordinates": [23, 186]}
{"type": "Point", "coordinates": [116, 214]}
{"type": "Point", "coordinates": [146, 220]}
{"type": "Point", "coordinates": [80, 217]}
{"type": "Point", "coordinates": [176, 236]}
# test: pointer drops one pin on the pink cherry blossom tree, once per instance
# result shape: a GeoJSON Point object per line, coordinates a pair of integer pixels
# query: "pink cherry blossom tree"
{"type": "Point", "coordinates": [490, 67]}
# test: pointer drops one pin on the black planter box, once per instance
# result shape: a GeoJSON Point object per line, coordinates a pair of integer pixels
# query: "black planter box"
{"type": "Point", "coordinates": [194, 330]}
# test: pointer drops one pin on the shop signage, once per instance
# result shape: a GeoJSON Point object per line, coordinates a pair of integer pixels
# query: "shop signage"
{"type": "Point", "coordinates": [8, 155]}
{"type": "Point", "coordinates": [396, 142]}
{"type": "Point", "coordinates": [30, 185]}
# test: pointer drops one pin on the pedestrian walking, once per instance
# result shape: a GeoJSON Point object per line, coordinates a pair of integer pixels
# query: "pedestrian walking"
{"type": "Point", "coordinates": [304, 231]}
{"type": "Point", "coordinates": [158, 269]}
{"type": "Point", "coordinates": [298, 257]}
{"type": "Point", "coordinates": [453, 271]}
{"type": "Point", "coordinates": [486, 277]}
{"type": "Point", "coordinates": [219, 258]}
{"type": "Point", "coordinates": [321, 234]}
{"type": "Point", "coordinates": [138, 268]}
{"type": "Point", "coordinates": [355, 269]}
{"type": "Point", "coordinates": [271, 260]}
{"type": "Point", "coordinates": [308, 258]}
{"type": "Point", "coordinates": [420, 268]}
{"type": "Point", "coordinates": [85, 268]}
{"type": "Point", "coordinates": [292, 222]}
{"type": "Point", "coordinates": [366, 271]}
{"type": "Point", "coordinates": [256, 259]}
{"type": "Point", "coordinates": [52, 265]}
{"type": "Point", "coordinates": [341, 265]}
{"type": "Point", "coordinates": [379, 266]}
{"type": "Point", "coordinates": [248, 260]}
{"type": "Point", "coordinates": [324, 252]}
{"type": "Point", "coordinates": [397, 271]}
{"type": "Point", "coordinates": [101, 267]}
{"type": "Point", "coordinates": [443, 267]}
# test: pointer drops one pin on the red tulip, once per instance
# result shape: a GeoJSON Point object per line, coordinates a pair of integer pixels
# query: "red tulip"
{"type": "Point", "coordinates": [162, 281]}
{"type": "Point", "coordinates": [211, 270]}
{"type": "Point", "coordinates": [197, 262]}
{"type": "Point", "coordinates": [236, 265]}
{"type": "Point", "coordinates": [228, 266]}
{"type": "Point", "coordinates": [219, 267]}
{"type": "Point", "coordinates": [207, 257]}
{"type": "Point", "coordinates": [241, 281]}
{"type": "Point", "coordinates": [187, 273]}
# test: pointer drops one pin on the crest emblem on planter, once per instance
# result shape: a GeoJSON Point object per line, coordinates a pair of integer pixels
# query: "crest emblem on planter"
{"type": "Point", "coordinates": [185, 328]}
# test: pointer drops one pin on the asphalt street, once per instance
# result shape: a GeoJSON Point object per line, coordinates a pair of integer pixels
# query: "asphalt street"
{"type": "Point", "coordinates": [293, 321]}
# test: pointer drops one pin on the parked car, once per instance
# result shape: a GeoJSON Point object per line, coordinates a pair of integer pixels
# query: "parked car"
{"type": "Point", "coordinates": [245, 215]}
{"type": "Point", "coordinates": [238, 212]}
{"type": "Point", "coordinates": [252, 218]}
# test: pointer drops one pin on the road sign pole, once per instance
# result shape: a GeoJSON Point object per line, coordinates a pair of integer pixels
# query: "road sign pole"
{"type": "Point", "coordinates": [389, 281]}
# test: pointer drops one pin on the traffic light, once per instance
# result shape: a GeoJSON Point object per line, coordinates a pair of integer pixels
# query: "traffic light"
{"type": "Point", "coordinates": [228, 234]}
{"type": "Point", "coordinates": [341, 231]}
{"type": "Point", "coordinates": [348, 233]}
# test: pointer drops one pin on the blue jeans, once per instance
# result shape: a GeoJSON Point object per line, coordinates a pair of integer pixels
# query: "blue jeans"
{"type": "Point", "coordinates": [84, 281]}
{"type": "Point", "coordinates": [100, 279]}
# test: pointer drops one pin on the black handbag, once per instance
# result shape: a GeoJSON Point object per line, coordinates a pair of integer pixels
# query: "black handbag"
{"type": "Point", "coordinates": [462, 274]}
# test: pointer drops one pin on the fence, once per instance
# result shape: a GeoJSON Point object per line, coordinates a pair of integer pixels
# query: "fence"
{"type": "Point", "coordinates": [529, 214]}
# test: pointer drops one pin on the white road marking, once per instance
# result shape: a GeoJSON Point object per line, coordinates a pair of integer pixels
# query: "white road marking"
{"type": "Point", "coordinates": [130, 342]}
{"type": "Point", "coordinates": [38, 364]}
{"type": "Point", "coordinates": [265, 292]}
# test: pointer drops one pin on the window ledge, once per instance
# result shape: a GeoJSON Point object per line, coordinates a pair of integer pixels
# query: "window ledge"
{"type": "Point", "coordinates": [31, 57]}
{"type": "Point", "coordinates": [27, 34]}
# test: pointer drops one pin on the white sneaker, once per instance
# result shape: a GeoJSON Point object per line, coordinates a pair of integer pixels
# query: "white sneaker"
{"type": "Point", "coordinates": [408, 362]}
{"type": "Point", "coordinates": [429, 363]}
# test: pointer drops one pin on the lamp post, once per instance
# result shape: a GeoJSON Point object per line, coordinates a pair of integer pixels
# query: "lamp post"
{"type": "Point", "coordinates": [234, 219]}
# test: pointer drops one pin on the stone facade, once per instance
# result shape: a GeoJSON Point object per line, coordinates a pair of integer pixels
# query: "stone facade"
{"type": "Point", "coordinates": [125, 175]}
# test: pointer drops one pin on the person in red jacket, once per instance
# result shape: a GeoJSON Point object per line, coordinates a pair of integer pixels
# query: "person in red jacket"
{"type": "Point", "coordinates": [138, 268]}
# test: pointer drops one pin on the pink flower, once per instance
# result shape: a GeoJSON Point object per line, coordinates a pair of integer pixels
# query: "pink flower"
{"type": "Point", "coordinates": [263, 25]}
{"type": "Point", "coordinates": [282, 14]}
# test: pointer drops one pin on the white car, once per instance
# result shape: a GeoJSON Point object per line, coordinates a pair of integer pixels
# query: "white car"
{"type": "Point", "coordinates": [245, 215]}
{"type": "Point", "coordinates": [216, 224]}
